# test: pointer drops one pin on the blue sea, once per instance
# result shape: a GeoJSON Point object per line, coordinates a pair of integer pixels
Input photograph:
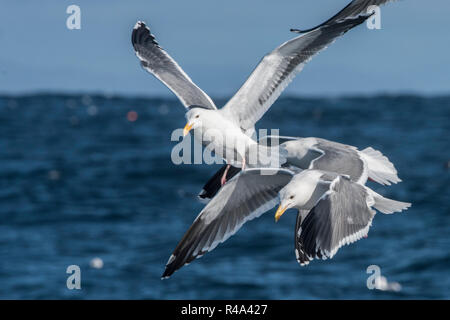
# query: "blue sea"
{"type": "Point", "coordinates": [87, 180]}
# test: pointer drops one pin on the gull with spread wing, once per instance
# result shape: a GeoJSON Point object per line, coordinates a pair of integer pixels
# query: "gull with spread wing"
{"type": "Point", "coordinates": [320, 154]}
{"type": "Point", "coordinates": [236, 120]}
{"type": "Point", "coordinates": [332, 209]}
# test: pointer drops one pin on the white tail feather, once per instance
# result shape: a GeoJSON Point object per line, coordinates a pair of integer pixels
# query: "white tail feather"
{"type": "Point", "coordinates": [381, 170]}
{"type": "Point", "coordinates": [386, 205]}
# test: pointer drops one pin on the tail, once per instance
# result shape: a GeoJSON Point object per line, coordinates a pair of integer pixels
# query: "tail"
{"type": "Point", "coordinates": [386, 205]}
{"type": "Point", "coordinates": [381, 170]}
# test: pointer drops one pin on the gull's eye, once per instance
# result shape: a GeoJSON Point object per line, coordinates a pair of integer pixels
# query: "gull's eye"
{"type": "Point", "coordinates": [197, 116]}
{"type": "Point", "coordinates": [291, 197]}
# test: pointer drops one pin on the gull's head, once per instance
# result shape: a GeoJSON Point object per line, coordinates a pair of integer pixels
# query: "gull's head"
{"type": "Point", "coordinates": [194, 118]}
{"type": "Point", "coordinates": [298, 192]}
{"type": "Point", "coordinates": [288, 200]}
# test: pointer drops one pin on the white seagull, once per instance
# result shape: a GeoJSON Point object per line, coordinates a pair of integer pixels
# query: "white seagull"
{"type": "Point", "coordinates": [236, 120]}
{"type": "Point", "coordinates": [332, 209]}
{"type": "Point", "coordinates": [321, 154]}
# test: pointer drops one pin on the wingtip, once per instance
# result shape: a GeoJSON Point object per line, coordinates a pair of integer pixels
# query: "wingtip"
{"type": "Point", "coordinates": [142, 35]}
{"type": "Point", "coordinates": [169, 270]}
{"type": "Point", "coordinates": [360, 18]}
{"type": "Point", "coordinates": [167, 273]}
{"type": "Point", "coordinates": [203, 197]}
{"type": "Point", "coordinates": [203, 194]}
{"type": "Point", "coordinates": [163, 277]}
{"type": "Point", "coordinates": [139, 24]}
{"type": "Point", "coordinates": [297, 30]}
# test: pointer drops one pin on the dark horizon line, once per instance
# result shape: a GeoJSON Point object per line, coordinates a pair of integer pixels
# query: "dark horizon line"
{"type": "Point", "coordinates": [107, 95]}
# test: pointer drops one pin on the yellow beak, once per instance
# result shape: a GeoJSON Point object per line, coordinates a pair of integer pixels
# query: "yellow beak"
{"type": "Point", "coordinates": [186, 129]}
{"type": "Point", "coordinates": [279, 212]}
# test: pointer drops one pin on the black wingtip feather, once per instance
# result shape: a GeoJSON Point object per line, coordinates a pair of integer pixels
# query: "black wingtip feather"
{"type": "Point", "coordinates": [214, 184]}
{"type": "Point", "coordinates": [141, 35]}
{"type": "Point", "coordinates": [301, 256]}
{"type": "Point", "coordinates": [297, 31]}
{"type": "Point", "coordinates": [166, 274]}
{"type": "Point", "coordinates": [356, 19]}
{"type": "Point", "coordinates": [171, 268]}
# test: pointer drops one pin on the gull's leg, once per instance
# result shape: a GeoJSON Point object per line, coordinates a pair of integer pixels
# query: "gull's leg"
{"type": "Point", "coordinates": [243, 163]}
{"type": "Point", "coordinates": [223, 180]}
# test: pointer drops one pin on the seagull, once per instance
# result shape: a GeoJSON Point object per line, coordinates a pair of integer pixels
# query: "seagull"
{"type": "Point", "coordinates": [321, 154]}
{"type": "Point", "coordinates": [236, 120]}
{"type": "Point", "coordinates": [333, 211]}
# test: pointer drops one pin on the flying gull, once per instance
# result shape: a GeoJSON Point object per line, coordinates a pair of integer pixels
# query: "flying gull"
{"type": "Point", "coordinates": [333, 211]}
{"type": "Point", "coordinates": [237, 118]}
{"type": "Point", "coordinates": [321, 154]}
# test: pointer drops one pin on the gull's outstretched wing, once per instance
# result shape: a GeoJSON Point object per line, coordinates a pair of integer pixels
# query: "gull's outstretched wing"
{"type": "Point", "coordinates": [278, 68]}
{"type": "Point", "coordinates": [303, 153]}
{"type": "Point", "coordinates": [245, 197]}
{"type": "Point", "coordinates": [338, 158]}
{"type": "Point", "coordinates": [155, 60]}
{"type": "Point", "coordinates": [342, 216]}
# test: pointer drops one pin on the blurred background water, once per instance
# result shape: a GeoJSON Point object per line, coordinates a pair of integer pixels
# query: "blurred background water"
{"type": "Point", "coordinates": [88, 180]}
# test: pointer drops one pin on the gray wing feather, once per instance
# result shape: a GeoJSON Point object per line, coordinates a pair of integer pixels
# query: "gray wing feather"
{"type": "Point", "coordinates": [338, 158]}
{"type": "Point", "coordinates": [243, 198]}
{"type": "Point", "coordinates": [342, 216]}
{"type": "Point", "coordinates": [155, 60]}
{"type": "Point", "coordinates": [324, 155]}
{"type": "Point", "coordinates": [300, 254]}
{"type": "Point", "coordinates": [277, 69]}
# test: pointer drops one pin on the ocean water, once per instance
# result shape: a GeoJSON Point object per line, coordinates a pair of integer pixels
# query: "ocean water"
{"type": "Point", "coordinates": [80, 181]}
